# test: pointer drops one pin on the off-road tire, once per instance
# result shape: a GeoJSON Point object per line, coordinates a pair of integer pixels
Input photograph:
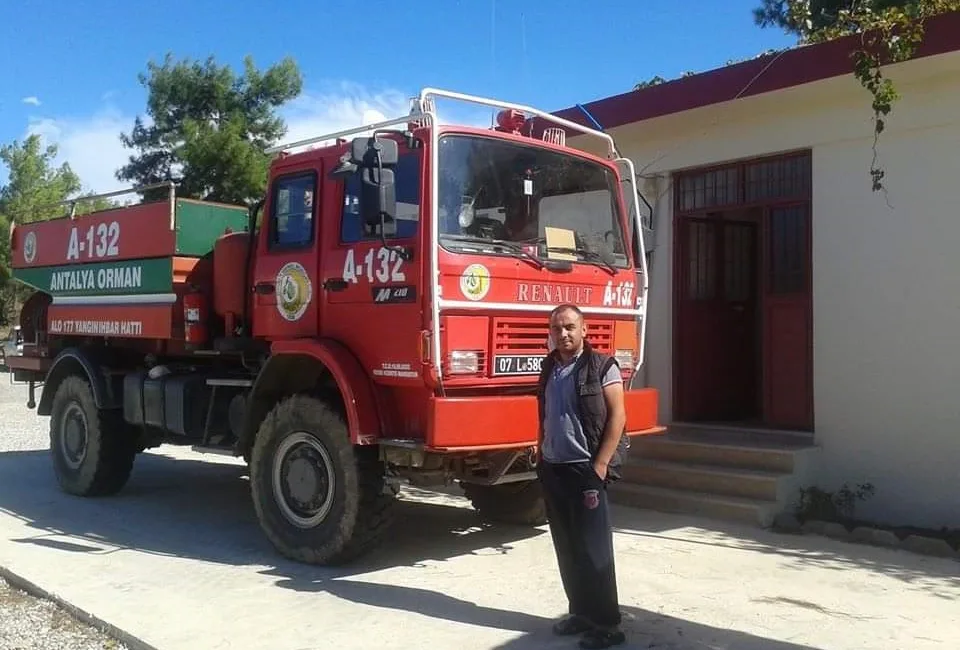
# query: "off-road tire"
{"type": "Point", "coordinates": [519, 503]}
{"type": "Point", "coordinates": [361, 510]}
{"type": "Point", "coordinates": [110, 448]}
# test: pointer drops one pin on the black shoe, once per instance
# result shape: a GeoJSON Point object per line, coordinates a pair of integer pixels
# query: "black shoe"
{"type": "Point", "coordinates": [596, 639]}
{"type": "Point", "coordinates": [570, 626]}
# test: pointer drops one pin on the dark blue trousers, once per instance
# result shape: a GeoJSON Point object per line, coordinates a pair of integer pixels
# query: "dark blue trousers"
{"type": "Point", "coordinates": [577, 507]}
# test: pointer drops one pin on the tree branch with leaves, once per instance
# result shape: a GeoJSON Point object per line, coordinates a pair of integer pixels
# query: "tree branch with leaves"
{"type": "Point", "coordinates": [35, 186]}
{"type": "Point", "coordinates": [209, 128]}
{"type": "Point", "coordinates": [890, 31]}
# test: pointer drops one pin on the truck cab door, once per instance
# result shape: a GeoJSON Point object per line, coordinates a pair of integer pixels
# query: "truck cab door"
{"type": "Point", "coordinates": [285, 294]}
{"type": "Point", "coordinates": [373, 281]}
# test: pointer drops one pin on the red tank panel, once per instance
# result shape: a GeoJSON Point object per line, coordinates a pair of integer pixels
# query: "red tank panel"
{"type": "Point", "coordinates": [229, 276]}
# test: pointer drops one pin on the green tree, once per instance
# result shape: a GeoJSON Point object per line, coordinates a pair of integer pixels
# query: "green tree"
{"type": "Point", "coordinates": [34, 188]}
{"type": "Point", "coordinates": [657, 80]}
{"type": "Point", "coordinates": [209, 128]}
{"type": "Point", "coordinates": [889, 31]}
{"type": "Point", "coordinates": [34, 185]}
{"type": "Point", "coordinates": [821, 14]}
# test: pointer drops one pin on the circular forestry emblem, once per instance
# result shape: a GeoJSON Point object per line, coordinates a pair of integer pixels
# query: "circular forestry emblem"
{"type": "Point", "coordinates": [30, 247]}
{"type": "Point", "coordinates": [475, 281]}
{"type": "Point", "coordinates": [294, 291]}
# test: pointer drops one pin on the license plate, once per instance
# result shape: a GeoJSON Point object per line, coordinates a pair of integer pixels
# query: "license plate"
{"type": "Point", "coordinates": [517, 364]}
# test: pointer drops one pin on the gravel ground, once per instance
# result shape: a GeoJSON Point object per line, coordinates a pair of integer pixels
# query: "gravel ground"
{"type": "Point", "coordinates": [35, 624]}
{"type": "Point", "coordinates": [26, 622]}
{"type": "Point", "coordinates": [20, 428]}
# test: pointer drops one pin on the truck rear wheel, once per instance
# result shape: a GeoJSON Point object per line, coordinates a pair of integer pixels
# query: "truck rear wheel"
{"type": "Point", "coordinates": [509, 503]}
{"type": "Point", "coordinates": [319, 499]}
{"type": "Point", "coordinates": [92, 450]}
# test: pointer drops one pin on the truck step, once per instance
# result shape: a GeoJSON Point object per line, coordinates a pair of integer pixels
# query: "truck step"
{"type": "Point", "coordinates": [402, 443]}
{"type": "Point", "coordinates": [220, 451]}
{"type": "Point", "coordinates": [230, 381]}
{"type": "Point", "coordinates": [748, 511]}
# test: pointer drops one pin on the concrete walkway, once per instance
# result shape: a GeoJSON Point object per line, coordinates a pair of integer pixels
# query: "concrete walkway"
{"type": "Point", "coordinates": [178, 561]}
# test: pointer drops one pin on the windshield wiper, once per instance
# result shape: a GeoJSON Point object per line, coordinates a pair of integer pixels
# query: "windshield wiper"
{"type": "Point", "coordinates": [502, 243]}
{"type": "Point", "coordinates": [590, 255]}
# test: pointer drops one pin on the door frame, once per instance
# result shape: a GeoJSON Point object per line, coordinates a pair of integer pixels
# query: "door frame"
{"type": "Point", "coordinates": [296, 262]}
{"type": "Point", "coordinates": [730, 184]}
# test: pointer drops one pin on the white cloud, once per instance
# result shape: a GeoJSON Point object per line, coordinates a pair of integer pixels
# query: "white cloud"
{"type": "Point", "coordinates": [32, 101]}
{"type": "Point", "coordinates": [348, 105]}
{"type": "Point", "coordinates": [339, 107]}
{"type": "Point", "coordinates": [92, 147]}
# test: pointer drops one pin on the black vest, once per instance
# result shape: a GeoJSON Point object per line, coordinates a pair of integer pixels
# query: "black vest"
{"type": "Point", "coordinates": [589, 369]}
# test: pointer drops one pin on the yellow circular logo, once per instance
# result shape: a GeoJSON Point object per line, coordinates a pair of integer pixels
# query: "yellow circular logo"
{"type": "Point", "coordinates": [475, 281]}
{"type": "Point", "coordinates": [294, 291]}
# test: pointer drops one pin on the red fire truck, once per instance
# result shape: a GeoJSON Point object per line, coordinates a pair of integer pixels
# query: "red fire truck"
{"type": "Point", "coordinates": [380, 315]}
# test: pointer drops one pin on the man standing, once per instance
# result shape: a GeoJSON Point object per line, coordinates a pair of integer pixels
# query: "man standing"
{"type": "Point", "coordinates": [580, 444]}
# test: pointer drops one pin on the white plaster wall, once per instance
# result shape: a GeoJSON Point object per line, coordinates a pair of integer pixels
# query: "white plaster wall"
{"type": "Point", "coordinates": [887, 324]}
{"type": "Point", "coordinates": [886, 279]}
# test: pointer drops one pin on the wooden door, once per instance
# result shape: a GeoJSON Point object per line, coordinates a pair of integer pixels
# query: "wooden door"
{"type": "Point", "coordinates": [717, 320]}
{"type": "Point", "coordinates": [787, 317]}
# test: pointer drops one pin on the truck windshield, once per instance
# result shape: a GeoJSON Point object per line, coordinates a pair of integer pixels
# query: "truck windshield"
{"type": "Point", "coordinates": [530, 199]}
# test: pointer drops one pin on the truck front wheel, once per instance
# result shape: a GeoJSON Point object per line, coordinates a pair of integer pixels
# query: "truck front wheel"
{"type": "Point", "coordinates": [92, 450]}
{"type": "Point", "coordinates": [319, 499]}
{"type": "Point", "coordinates": [509, 503]}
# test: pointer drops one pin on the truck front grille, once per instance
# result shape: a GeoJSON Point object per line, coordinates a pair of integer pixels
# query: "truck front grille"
{"type": "Point", "coordinates": [529, 336]}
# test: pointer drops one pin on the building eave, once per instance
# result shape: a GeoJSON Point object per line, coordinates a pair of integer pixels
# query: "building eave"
{"type": "Point", "coordinates": [769, 73]}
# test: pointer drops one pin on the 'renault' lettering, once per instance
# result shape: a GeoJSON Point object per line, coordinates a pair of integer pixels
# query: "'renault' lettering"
{"type": "Point", "coordinates": [553, 293]}
{"type": "Point", "coordinates": [115, 277]}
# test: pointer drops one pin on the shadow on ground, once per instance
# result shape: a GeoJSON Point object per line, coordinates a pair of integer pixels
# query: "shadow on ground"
{"type": "Point", "coordinates": [646, 629]}
{"type": "Point", "coordinates": [201, 510]}
{"type": "Point", "coordinates": [188, 507]}
{"type": "Point", "coordinates": [937, 576]}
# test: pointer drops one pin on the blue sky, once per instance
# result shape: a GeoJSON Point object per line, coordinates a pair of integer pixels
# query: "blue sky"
{"type": "Point", "coordinates": [68, 70]}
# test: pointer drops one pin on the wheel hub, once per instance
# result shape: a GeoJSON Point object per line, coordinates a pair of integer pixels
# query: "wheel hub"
{"type": "Point", "coordinates": [303, 480]}
{"type": "Point", "coordinates": [73, 439]}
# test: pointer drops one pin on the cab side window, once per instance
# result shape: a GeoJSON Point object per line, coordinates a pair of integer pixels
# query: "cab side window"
{"type": "Point", "coordinates": [407, 179]}
{"type": "Point", "coordinates": [292, 211]}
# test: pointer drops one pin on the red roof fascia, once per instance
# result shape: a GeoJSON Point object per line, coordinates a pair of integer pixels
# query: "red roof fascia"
{"type": "Point", "coordinates": [764, 74]}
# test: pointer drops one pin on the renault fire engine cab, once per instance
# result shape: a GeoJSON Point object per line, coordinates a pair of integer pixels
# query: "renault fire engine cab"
{"type": "Point", "coordinates": [381, 314]}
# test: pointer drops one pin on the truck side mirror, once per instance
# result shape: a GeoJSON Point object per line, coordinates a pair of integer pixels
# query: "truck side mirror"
{"type": "Point", "coordinates": [646, 228]}
{"type": "Point", "coordinates": [378, 196]}
{"type": "Point", "coordinates": [374, 159]}
{"type": "Point", "coordinates": [648, 242]}
{"type": "Point", "coordinates": [364, 152]}
{"type": "Point", "coordinates": [253, 215]}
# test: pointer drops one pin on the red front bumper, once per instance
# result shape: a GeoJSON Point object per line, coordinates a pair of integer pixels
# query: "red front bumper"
{"type": "Point", "coordinates": [478, 423]}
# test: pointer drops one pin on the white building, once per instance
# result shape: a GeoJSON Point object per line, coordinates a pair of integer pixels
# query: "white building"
{"type": "Point", "coordinates": [785, 293]}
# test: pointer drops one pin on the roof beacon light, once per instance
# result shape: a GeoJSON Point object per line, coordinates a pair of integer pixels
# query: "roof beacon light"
{"type": "Point", "coordinates": [555, 135]}
{"type": "Point", "coordinates": [510, 121]}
